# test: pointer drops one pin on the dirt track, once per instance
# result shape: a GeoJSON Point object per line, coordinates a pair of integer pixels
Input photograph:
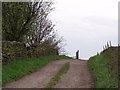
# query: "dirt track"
{"type": "Point", "coordinates": [78, 76]}
{"type": "Point", "coordinates": [40, 78]}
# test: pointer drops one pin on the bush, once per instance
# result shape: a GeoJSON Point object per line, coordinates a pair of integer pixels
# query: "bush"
{"type": "Point", "coordinates": [11, 50]}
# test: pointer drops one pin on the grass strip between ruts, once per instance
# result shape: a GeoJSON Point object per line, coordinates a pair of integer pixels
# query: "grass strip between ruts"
{"type": "Point", "coordinates": [56, 78]}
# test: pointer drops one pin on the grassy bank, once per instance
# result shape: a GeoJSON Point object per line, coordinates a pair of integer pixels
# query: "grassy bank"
{"type": "Point", "coordinates": [56, 78]}
{"type": "Point", "coordinates": [18, 68]}
{"type": "Point", "coordinates": [104, 68]}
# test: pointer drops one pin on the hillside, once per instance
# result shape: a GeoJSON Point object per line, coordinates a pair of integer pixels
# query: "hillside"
{"type": "Point", "coordinates": [104, 68]}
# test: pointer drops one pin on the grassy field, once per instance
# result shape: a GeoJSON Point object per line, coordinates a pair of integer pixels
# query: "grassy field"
{"type": "Point", "coordinates": [18, 68]}
{"type": "Point", "coordinates": [0, 76]}
{"type": "Point", "coordinates": [104, 68]}
{"type": "Point", "coordinates": [56, 78]}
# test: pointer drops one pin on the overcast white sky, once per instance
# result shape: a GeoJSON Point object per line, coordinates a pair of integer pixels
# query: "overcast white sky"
{"type": "Point", "coordinates": [86, 25]}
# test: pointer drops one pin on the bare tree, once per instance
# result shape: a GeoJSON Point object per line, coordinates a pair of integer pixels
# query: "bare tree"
{"type": "Point", "coordinates": [43, 27]}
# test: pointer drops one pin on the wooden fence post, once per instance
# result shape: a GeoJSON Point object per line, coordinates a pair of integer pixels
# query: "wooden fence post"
{"type": "Point", "coordinates": [110, 44]}
{"type": "Point", "coordinates": [77, 54]}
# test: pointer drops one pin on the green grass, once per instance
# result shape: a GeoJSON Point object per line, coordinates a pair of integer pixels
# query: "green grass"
{"type": "Point", "coordinates": [56, 78]}
{"type": "Point", "coordinates": [104, 77]}
{"type": "Point", "coordinates": [0, 76]}
{"type": "Point", "coordinates": [18, 68]}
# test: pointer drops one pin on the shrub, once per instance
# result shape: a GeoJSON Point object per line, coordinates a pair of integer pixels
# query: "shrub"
{"type": "Point", "coordinates": [11, 50]}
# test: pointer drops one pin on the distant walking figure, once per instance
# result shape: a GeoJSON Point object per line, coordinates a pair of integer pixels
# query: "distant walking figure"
{"type": "Point", "coordinates": [77, 54]}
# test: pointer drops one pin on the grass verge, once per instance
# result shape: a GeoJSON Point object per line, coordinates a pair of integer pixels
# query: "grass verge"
{"type": "Point", "coordinates": [56, 78]}
{"type": "Point", "coordinates": [103, 75]}
{"type": "Point", "coordinates": [18, 68]}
